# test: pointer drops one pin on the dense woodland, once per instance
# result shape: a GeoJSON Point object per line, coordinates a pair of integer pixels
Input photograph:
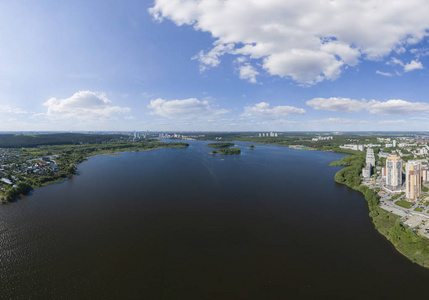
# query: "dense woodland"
{"type": "Point", "coordinates": [224, 148]}
{"type": "Point", "coordinates": [220, 145]}
{"type": "Point", "coordinates": [25, 140]}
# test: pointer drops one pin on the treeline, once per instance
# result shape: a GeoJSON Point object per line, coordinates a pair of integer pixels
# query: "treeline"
{"type": "Point", "coordinates": [23, 140]}
{"type": "Point", "coordinates": [413, 246]}
{"type": "Point", "coordinates": [21, 188]}
{"type": "Point", "coordinates": [350, 175]}
{"type": "Point", "coordinates": [229, 151]}
{"type": "Point", "coordinates": [297, 138]}
{"type": "Point", "coordinates": [224, 148]}
{"type": "Point", "coordinates": [220, 145]}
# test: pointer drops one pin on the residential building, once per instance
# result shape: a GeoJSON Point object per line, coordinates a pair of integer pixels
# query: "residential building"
{"type": "Point", "coordinates": [353, 147]}
{"type": "Point", "coordinates": [383, 174]}
{"type": "Point", "coordinates": [370, 158]}
{"type": "Point", "coordinates": [425, 174]}
{"type": "Point", "coordinates": [393, 172]}
{"type": "Point", "coordinates": [413, 180]}
{"type": "Point", "coordinates": [366, 172]}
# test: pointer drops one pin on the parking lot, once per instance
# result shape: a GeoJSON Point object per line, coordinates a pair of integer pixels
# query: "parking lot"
{"type": "Point", "coordinates": [421, 223]}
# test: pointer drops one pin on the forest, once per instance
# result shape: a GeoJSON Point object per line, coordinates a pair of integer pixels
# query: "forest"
{"type": "Point", "coordinates": [28, 140]}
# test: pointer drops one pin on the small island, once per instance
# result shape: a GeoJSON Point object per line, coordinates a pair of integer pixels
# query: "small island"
{"type": "Point", "coordinates": [220, 145]}
{"type": "Point", "coordinates": [224, 148]}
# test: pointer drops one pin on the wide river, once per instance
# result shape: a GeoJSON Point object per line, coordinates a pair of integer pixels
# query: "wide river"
{"type": "Point", "coordinates": [270, 223]}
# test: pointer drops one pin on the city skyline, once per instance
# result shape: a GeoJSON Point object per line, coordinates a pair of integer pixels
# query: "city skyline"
{"type": "Point", "coordinates": [173, 66]}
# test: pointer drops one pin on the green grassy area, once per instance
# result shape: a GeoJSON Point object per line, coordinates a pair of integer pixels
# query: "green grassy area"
{"type": "Point", "coordinates": [419, 209]}
{"type": "Point", "coordinates": [411, 245]}
{"type": "Point", "coordinates": [404, 204]}
{"type": "Point", "coordinates": [396, 196]}
{"type": "Point", "coordinates": [384, 221]}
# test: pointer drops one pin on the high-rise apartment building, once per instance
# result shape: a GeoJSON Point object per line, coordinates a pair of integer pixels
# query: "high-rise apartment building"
{"type": "Point", "coordinates": [393, 172]}
{"type": "Point", "coordinates": [413, 180]}
{"type": "Point", "coordinates": [370, 159]}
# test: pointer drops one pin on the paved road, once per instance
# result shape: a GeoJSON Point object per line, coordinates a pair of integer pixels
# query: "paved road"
{"type": "Point", "coordinates": [389, 206]}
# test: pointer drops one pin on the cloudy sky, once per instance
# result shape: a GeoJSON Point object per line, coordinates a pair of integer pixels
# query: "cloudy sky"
{"type": "Point", "coordinates": [236, 65]}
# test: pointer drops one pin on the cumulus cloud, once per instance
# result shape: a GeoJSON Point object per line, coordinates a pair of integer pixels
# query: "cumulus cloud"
{"type": "Point", "coordinates": [246, 70]}
{"type": "Point", "coordinates": [413, 65]}
{"type": "Point", "coordinates": [305, 40]}
{"type": "Point", "coordinates": [336, 104]}
{"type": "Point", "coordinates": [83, 105]}
{"type": "Point", "coordinates": [390, 107]}
{"type": "Point", "coordinates": [263, 110]}
{"type": "Point", "coordinates": [183, 109]}
{"type": "Point", "coordinates": [397, 107]}
{"type": "Point", "coordinates": [211, 58]}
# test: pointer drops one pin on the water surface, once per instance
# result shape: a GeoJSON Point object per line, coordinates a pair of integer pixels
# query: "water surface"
{"type": "Point", "coordinates": [270, 223]}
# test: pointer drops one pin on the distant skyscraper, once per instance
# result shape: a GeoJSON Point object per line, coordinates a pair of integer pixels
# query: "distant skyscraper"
{"type": "Point", "coordinates": [393, 171]}
{"type": "Point", "coordinates": [394, 143]}
{"type": "Point", "coordinates": [413, 180]}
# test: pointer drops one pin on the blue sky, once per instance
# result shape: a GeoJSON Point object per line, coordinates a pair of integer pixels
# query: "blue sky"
{"type": "Point", "coordinates": [237, 65]}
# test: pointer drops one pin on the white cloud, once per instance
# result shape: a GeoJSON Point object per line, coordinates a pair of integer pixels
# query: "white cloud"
{"type": "Point", "coordinates": [384, 73]}
{"type": "Point", "coordinates": [391, 122]}
{"type": "Point", "coordinates": [263, 110]}
{"type": "Point", "coordinates": [337, 121]}
{"type": "Point", "coordinates": [395, 61]}
{"type": "Point", "coordinates": [337, 104]}
{"type": "Point", "coordinates": [7, 109]}
{"type": "Point", "coordinates": [211, 58]}
{"type": "Point", "coordinates": [390, 107]}
{"type": "Point", "coordinates": [247, 72]}
{"type": "Point", "coordinates": [397, 107]}
{"type": "Point", "coordinates": [83, 105]}
{"type": "Point", "coordinates": [183, 109]}
{"type": "Point", "coordinates": [308, 41]}
{"type": "Point", "coordinates": [413, 65]}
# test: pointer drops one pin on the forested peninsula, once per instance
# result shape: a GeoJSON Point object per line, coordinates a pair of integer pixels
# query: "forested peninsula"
{"type": "Point", "coordinates": [30, 161]}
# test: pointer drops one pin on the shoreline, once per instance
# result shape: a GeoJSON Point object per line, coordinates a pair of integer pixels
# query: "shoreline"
{"type": "Point", "coordinates": [411, 245]}
{"type": "Point", "coordinates": [5, 201]}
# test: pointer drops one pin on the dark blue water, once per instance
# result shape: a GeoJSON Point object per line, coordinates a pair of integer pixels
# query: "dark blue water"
{"type": "Point", "coordinates": [270, 223]}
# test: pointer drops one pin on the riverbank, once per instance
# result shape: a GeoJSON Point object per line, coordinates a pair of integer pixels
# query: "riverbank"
{"type": "Point", "coordinates": [408, 243]}
{"type": "Point", "coordinates": [300, 147]}
{"type": "Point", "coordinates": [44, 165]}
